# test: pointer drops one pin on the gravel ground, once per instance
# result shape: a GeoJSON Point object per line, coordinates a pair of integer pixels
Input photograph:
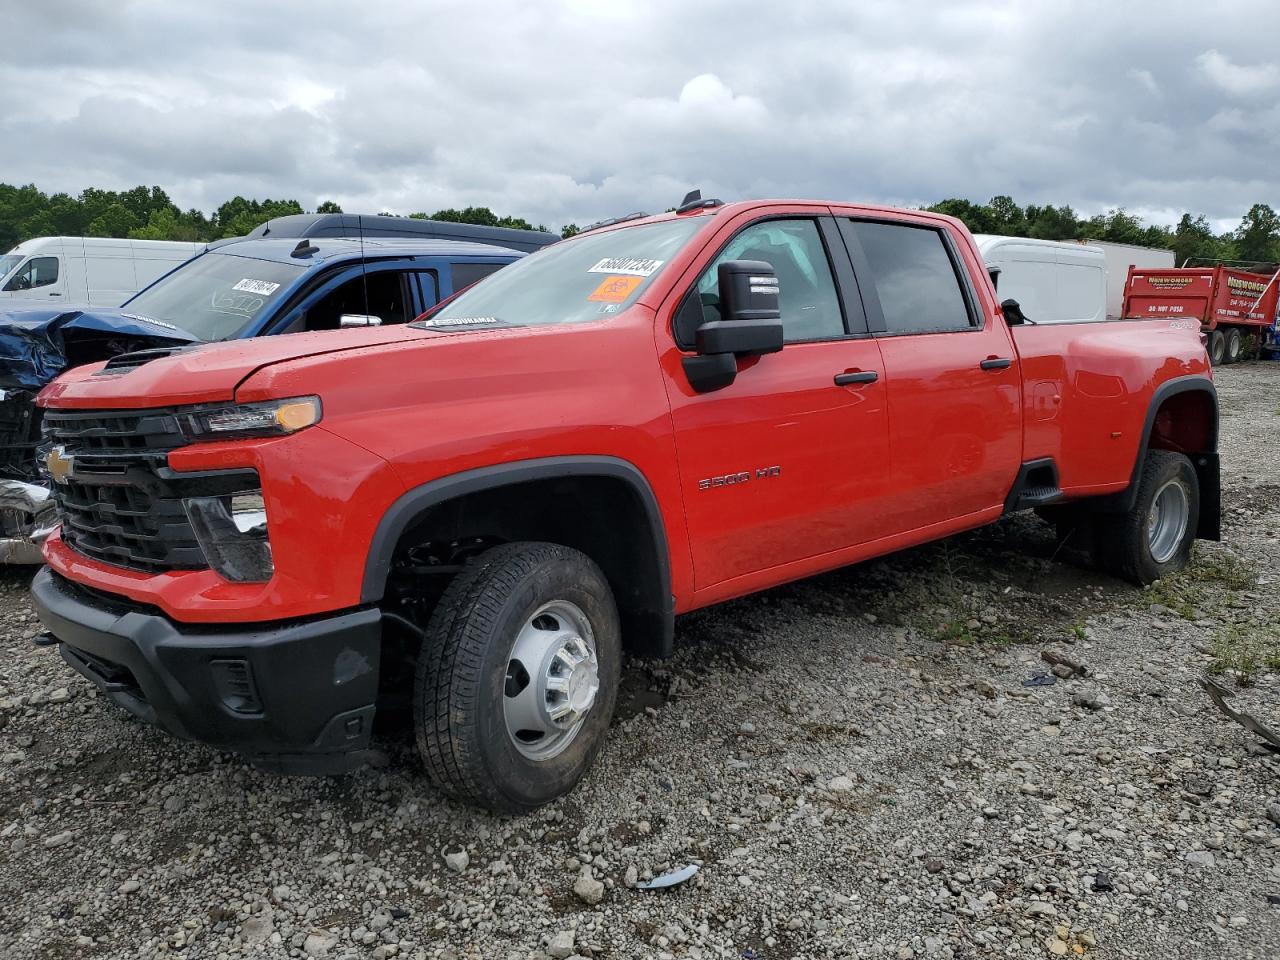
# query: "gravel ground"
{"type": "Point", "coordinates": [854, 762]}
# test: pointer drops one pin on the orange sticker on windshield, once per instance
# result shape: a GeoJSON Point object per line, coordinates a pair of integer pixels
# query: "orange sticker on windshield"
{"type": "Point", "coordinates": [615, 289]}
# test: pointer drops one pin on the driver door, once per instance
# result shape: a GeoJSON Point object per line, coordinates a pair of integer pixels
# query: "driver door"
{"type": "Point", "coordinates": [788, 462]}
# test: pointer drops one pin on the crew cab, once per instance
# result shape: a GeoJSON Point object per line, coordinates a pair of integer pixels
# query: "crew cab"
{"type": "Point", "coordinates": [238, 289]}
{"type": "Point", "coordinates": [265, 543]}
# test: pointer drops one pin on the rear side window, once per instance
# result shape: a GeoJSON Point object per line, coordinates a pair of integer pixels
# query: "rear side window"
{"type": "Point", "coordinates": [914, 278]}
{"type": "Point", "coordinates": [465, 274]}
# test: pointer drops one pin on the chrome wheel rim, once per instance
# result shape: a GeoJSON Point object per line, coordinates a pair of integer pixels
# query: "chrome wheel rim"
{"type": "Point", "coordinates": [553, 678]}
{"type": "Point", "coordinates": [1167, 521]}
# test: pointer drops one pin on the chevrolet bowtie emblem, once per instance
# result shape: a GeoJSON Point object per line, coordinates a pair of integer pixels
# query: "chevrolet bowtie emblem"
{"type": "Point", "coordinates": [60, 464]}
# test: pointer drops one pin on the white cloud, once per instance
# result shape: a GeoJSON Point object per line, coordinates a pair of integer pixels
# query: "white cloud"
{"type": "Point", "coordinates": [1145, 79]}
{"type": "Point", "coordinates": [1236, 79]}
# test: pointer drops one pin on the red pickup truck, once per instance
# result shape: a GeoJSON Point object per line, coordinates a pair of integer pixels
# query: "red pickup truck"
{"type": "Point", "coordinates": [264, 542]}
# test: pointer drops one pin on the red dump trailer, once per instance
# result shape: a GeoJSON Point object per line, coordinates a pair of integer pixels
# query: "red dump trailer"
{"type": "Point", "coordinates": [1230, 304]}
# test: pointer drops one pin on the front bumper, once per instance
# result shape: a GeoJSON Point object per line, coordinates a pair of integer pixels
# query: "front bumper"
{"type": "Point", "coordinates": [27, 516]}
{"type": "Point", "coordinates": [297, 697]}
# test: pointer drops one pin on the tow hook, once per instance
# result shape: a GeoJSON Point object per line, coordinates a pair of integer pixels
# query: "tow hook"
{"type": "Point", "coordinates": [45, 639]}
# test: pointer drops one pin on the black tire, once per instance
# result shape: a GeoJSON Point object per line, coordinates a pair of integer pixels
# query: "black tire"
{"type": "Point", "coordinates": [1122, 544]}
{"type": "Point", "coordinates": [1233, 348]}
{"type": "Point", "coordinates": [459, 686]}
{"type": "Point", "coordinates": [1217, 347]}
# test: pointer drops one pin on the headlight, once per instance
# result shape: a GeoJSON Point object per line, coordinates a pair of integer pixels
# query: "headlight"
{"type": "Point", "coordinates": [232, 531]}
{"type": "Point", "coordinates": [273, 418]}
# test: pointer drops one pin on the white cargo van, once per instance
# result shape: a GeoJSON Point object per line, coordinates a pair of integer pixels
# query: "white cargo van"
{"type": "Point", "coordinates": [87, 270]}
{"type": "Point", "coordinates": [1053, 282]}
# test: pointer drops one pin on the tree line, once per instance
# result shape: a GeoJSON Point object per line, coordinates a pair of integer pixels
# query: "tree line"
{"type": "Point", "coordinates": [147, 213]}
{"type": "Point", "coordinates": [1256, 239]}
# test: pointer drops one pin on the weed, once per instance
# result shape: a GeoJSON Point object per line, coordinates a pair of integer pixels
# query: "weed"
{"type": "Point", "coordinates": [1245, 651]}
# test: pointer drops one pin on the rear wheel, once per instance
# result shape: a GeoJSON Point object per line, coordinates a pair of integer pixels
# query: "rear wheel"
{"type": "Point", "coordinates": [518, 676]}
{"type": "Point", "coordinates": [1234, 346]}
{"type": "Point", "coordinates": [1153, 539]}
{"type": "Point", "coordinates": [1217, 347]}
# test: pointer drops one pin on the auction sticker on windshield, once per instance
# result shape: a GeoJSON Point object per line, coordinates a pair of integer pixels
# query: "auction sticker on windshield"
{"type": "Point", "coordinates": [615, 289]}
{"type": "Point", "coordinates": [261, 287]}
{"type": "Point", "coordinates": [631, 266]}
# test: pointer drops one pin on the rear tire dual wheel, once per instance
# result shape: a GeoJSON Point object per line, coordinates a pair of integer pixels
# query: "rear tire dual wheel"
{"type": "Point", "coordinates": [518, 677]}
{"type": "Point", "coordinates": [1217, 347]}
{"type": "Point", "coordinates": [1153, 539]}
{"type": "Point", "coordinates": [1233, 348]}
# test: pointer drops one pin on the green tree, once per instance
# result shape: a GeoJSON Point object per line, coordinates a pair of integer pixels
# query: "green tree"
{"type": "Point", "coordinates": [239, 216]}
{"type": "Point", "coordinates": [328, 207]}
{"type": "Point", "coordinates": [974, 216]}
{"type": "Point", "coordinates": [568, 230]}
{"type": "Point", "coordinates": [1258, 236]}
{"type": "Point", "coordinates": [1006, 217]}
{"type": "Point", "coordinates": [115, 220]}
{"type": "Point", "coordinates": [1052, 223]}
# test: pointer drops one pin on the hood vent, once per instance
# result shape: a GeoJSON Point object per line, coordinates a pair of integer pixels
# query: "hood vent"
{"type": "Point", "coordinates": [127, 361]}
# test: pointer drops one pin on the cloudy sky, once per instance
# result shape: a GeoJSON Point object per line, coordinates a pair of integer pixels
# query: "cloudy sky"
{"type": "Point", "coordinates": [573, 111]}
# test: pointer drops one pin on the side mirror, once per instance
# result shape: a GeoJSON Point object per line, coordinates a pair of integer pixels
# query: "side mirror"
{"type": "Point", "coordinates": [750, 324]}
{"type": "Point", "coordinates": [359, 320]}
{"type": "Point", "coordinates": [1013, 314]}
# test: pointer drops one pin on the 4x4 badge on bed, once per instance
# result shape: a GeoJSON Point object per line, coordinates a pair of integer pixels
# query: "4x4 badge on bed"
{"type": "Point", "coordinates": [60, 464]}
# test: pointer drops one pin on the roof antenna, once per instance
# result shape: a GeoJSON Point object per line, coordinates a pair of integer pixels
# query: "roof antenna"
{"type": "Point", "coordinates": [305, 248]}
{"type": "Point", "coordinates": [693, 201]}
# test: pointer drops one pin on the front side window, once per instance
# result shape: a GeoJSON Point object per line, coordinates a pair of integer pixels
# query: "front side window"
{"type": "Point", "coordinates": [39, 272]}
{"type": "Point", "coordinates": [914, 277]}
{"type": "Point", "coordinates": [806, 293]}
{"type": "Point", "coordinates": [589, 277]}
{"type": "Point", "coordinates": [215, 296]}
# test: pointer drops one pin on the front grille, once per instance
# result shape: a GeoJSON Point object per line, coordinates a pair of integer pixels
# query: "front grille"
{"type": "Point", "coordinates": [120, 503]}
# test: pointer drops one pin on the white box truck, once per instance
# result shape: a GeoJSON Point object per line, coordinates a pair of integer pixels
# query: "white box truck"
{"type": "Point", "coordinates": [1122, 256]}
{"type": "Point", "coordinates": [87, 270]}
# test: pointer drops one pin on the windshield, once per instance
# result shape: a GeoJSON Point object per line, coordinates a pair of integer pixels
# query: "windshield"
{"type": "Point", "coordinates": [8, 262]}
{"type": "Point", "coordinates": [216, 295]}
{"type": "Point", "coordinates": [585, 278]}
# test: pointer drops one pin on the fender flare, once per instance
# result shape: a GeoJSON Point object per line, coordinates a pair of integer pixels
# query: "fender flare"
{"type": "Point", "coordinates": [413, 504]}
{"type": "Point", "coordinates": [1205, 462]}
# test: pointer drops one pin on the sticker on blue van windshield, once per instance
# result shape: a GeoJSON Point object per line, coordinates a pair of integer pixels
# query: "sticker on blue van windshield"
{"type": "Point", "coordinates": [631, 266]}
{"type": "Point", "coordinates": [263, 288]}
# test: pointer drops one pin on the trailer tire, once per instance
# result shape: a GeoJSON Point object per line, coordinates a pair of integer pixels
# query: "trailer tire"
{"type": "Point", "coordinates": [524, 630]}
{"type": "Point", "coordinates": [1217, 347]}
{"type": "Point", "coordinates": [1153, 538]}
{"type": "Point", "coordinates": [1234, 346]}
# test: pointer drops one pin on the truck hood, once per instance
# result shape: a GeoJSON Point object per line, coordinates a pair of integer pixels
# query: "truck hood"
{"type": "Point", "coordinates": [38, 343]}
{"type": "Point", "coordinates": [205, 373]}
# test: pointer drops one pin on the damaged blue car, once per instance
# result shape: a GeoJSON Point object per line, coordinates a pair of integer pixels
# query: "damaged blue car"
{"type": "Point", "coordinates": [250, 287]}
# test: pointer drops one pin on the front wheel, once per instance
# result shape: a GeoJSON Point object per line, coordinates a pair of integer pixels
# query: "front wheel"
{"type": "Point", "coordinates": [1153, 539]}
{"type": "Point", "coordinates": [518, 676]}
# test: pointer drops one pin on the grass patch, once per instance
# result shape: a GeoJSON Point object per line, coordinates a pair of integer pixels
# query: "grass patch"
{"type": "Point", "coordinates": [1245, 651]}
{"type": "Point", "coordinates": [1184, 592]}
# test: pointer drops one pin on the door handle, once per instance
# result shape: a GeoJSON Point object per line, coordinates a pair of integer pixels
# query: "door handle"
{"type": "Point", "coordinates": [855, 377]}
{"type": "Point", "coordinates": [55, 294]}
{"type": "Point", "coordinates": [996, 363]}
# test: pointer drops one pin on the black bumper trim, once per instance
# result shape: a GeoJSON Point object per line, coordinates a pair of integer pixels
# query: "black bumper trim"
{"type": "Point", "coordinates": [317, 679]}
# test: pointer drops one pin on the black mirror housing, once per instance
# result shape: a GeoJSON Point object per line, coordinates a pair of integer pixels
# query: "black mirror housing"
{"type": "Point", "coordinates": [751, 321]}
{"type": "Point", "coordinates": [750, 324]}
{"type": "Point", "coordinates": [1013, 314]}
